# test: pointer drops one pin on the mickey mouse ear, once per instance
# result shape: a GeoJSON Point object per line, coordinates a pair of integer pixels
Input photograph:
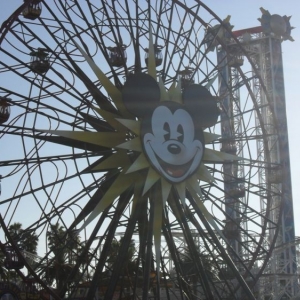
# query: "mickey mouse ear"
{"type": "Point", "coordinates": [140, 94]}
{"type": "Point", "coordinates": [202, 104]}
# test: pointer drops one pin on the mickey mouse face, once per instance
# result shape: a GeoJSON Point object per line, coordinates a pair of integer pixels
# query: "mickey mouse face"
{"type": "Point", "coordinates": [171, 133]}
{"type": "Point", "coordinates": [171, 143]}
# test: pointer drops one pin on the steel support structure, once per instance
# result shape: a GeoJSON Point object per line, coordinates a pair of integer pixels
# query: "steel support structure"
{"type": "Point", "coordinates": [280, 280]}
{"type": "Point", "coordinates": [231, 181]}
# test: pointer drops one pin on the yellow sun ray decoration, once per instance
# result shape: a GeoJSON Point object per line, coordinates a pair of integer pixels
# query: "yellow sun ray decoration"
{"type": "Point", "coordinates": [165, 129]}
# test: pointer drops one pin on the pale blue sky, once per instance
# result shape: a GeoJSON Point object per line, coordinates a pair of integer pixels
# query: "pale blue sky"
{"type": "Point", "coordinates": [244, 14]}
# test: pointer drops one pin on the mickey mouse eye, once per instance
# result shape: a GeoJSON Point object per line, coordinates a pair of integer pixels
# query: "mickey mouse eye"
{"type": "Point", "coordinates": [180, 133]}
{"type": "Point", "coordinates": [167, 131]}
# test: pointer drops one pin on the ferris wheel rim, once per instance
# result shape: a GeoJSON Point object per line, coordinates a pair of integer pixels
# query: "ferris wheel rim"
{"type": "Point", "coordinates": [113, 73]}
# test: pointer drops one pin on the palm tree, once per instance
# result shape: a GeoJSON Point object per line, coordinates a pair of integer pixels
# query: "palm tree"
{"type": "Point", "coordinates": [26, 240]}
{"type": "Point", "coordinates": [190, 271]}
{"type": "Point", "coordinates": [65, 247]}
{"type": "Point", "coordinates": [29, 241]}
{"type": "Point", "coordinates": [73, 246]}
{"type": "Point", "coordinates": [129, 264]}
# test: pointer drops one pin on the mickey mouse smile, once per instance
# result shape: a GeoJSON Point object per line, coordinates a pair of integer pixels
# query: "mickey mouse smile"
{"type": "Point", "coordinates": [174, 172]}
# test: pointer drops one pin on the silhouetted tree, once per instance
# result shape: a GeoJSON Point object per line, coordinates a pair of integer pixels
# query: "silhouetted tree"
{"type": "Point", "coordinates": [25, 239]}
{"type": "Point", "coordinates": [128, 266]}
{"type": "Point", "coordinates": [190, 271]}
{"type": "Point", "coordinates": [65, 247]}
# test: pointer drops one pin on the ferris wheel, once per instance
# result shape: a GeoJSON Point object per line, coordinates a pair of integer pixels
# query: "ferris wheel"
{"type": "Point", "coordinates": [117, 120]}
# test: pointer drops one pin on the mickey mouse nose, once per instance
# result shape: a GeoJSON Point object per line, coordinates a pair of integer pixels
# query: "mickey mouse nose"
{"type": "Point", "coordinates": [174, 149]}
